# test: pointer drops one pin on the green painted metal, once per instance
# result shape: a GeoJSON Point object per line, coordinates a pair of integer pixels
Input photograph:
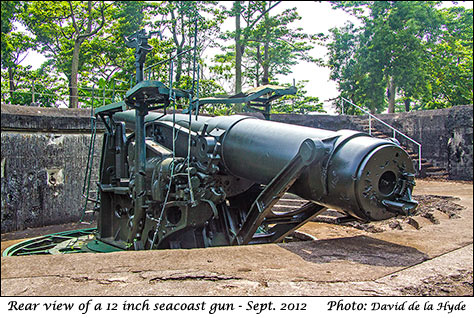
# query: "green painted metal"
{"type": "Point", "coordinates": [349, 178]}
{"type": "Point", "coordinates": [251, 163]}
{"type": "Point", "coordinates": [101, 247]}
{"type": "Point", "coordinates": [89, 165]}
{"type": "Point", "coordinates": [254, 95]}
{"type": "Point", "coordinates": [110, 108]}
{"type": "Point", "coordinates": [58, 243]}
{"type": "Point", "coordinates": [151, 92]}
{"type": "Point", "coordinates": [255, 100]}
{"type": "Point", "coordinates": [68, 242]}
{"type": "Point", "coordinates": [179, 181]}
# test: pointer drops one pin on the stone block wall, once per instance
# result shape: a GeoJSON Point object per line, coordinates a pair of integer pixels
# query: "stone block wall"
{"type": "Point", "coordinates": [445, 135]}
{"type": "Point", "coordinates": [322, 121]}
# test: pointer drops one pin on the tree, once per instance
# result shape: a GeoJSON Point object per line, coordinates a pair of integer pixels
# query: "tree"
{"type": "Point", "coordinates": [61, 28]}
{"type": "Point", "coordinates": [387, 53]}
{"type": "Point", "coordinates": [300, 103]}
{"type": "Point", "coordinates": [179, 20]}
{"type": "Point", "coordinates": [40, 87]}
{"type": "Point", "coordinates": [345, 53]}
{"type": "Point", "coordinates": [449, 64]}
{"type": "Point", "coordinates": [107, 63]}
{"type": "Point", "coordinates": [252, 13]}
{"type": "Point", "coordinates": [18, 45]}
{"type": "Point", "coordinates": [15, 46]}
{"type": "Point", "coordinates": [274, 47]}
{"type": "Point", "coordinates": [264, 46]}
{"type": "Point", "coordinates": [8, 12]}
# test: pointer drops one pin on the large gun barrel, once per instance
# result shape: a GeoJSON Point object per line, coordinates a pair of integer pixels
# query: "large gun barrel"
{"type": "Point", "coordinates": [364, 177]}
{"type": "Point", "coordinates": [181, 182]}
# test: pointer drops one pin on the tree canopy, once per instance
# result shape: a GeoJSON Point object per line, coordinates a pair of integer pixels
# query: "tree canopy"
{"type": "Point", "coordinates": [403, 52]}
{"type": "Point", "coordinates": [401, 55]}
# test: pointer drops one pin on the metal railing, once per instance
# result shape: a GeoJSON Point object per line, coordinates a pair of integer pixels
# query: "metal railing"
{"type": "Point", "coordinates": [394, 130]}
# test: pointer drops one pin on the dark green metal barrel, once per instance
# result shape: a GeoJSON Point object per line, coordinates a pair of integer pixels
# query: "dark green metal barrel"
{"type": "Point", "coordinates": [365, 177]}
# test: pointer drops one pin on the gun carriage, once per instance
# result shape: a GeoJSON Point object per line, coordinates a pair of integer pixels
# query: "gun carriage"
{"type": "Point", "coordinates": [170, 180]}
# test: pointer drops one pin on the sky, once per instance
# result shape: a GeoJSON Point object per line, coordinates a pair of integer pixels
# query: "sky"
{"type": "Point", "coordinates": [316, 17]}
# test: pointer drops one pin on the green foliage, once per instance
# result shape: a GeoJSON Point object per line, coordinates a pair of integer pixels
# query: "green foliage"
{"type": "Point", "coordinates": [101, 92]}
{"type": "Point", "coordinates": [274, 47]}
{"type": "Point", "coordinates": [347, 68]}
{"type": "Point", "coordinates": [15, 50]}
{"type": "Point", "coordinates": [105, 55]}
{"type": "Point", "coordinates": [299, 103]}
{"type": "Point", "coordinates": [223, 66]}
{"type": "Point", "coordinates": [450, 66]}
{"type": "Point", "coordinates": [84, 40]}
{"type": "Point", "coordinates": [405, 49]}
{"type": "Point", "coordinates": [209, 88]}
{"type": "Point", "coordinates": [15, 47]}
{"type": "Point", "coordinates": [62, 28]}
{"type": "Point", "coordinates": [48, 88]}
{"type": "Point", "coordinates": [49, 22]}
{"type": "Point", "coordinates": [9, 13]}
{"type": "Point", "coordinates": [178, 20]}
{"type": "Point", "coordinates": [271, 45]}
{"type": "Point", "coordinates": [265, 46]}
{"type": "Point", "coordinates": [218, 110]}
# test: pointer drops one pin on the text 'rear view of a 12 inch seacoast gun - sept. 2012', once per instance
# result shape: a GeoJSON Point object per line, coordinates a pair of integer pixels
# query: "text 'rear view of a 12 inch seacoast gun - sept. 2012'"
{"type": "Point", "coordinates": [180, 180]}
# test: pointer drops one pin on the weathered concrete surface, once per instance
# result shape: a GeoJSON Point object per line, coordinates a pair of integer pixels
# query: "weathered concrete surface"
{"type": "Point", "coordinates": [431, 239]}
{"type": "Point", "coordinates": [26, 118]}
{"type": "Point", "coordinates": [355, 263]}
{"type": "Point", "coordinates": [446, 136]}
{"type": "Point", "coordinates": [460, 148]}
{"type": "Point", "coordinates": [42, 178]}
{"type": "Point", "coordinates": [43, 161]}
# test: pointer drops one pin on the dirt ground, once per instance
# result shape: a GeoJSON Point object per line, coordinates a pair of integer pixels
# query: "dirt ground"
{"type": "Point", "coordinates": [430, 253]}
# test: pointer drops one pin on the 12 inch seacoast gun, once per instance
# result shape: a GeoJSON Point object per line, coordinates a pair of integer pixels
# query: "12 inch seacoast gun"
{"type": "Point", "coordinates": [183, 181]}
{"type": "Point", "coordinates": [214, 181]}
{"type": "Point", "coordinates": [188, 181]}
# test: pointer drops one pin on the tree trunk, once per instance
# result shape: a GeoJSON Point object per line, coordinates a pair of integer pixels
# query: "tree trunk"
{"type": "Point", "coordinates": [11, 82]}
{"type": "Point", "coordinates": [179, 64]}
{"type": "Point", "coordinates": [257, 65]}
{"type": "Point", "coordinates": [238, 50]}
{"type": "Point", "coordinates": [391, 95]}
{"type": "Point", "coordinates": [179, 45]}
{"type": "Point", "coordinates": [73, 91]}
{"type": "Point", "coordinates": [266, 53]}
{"type": "Point", "coordinates": [266, 65]}
{"type": "Point", "coordinates": [407, 104]}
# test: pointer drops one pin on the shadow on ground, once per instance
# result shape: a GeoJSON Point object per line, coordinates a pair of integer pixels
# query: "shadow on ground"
{"type": "Point", "coordinates": [359, 249]}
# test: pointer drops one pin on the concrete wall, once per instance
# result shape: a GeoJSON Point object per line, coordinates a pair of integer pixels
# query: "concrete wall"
{"type": "Point", "coordinates": [43, 160]}
{"type": "Point", "coordinates": [445, 135]}
{"type": "Point", "coordinates": [44, 155]}
{"type": "Point", "coordinates": [460, 150]}
{"type": "Point", "coordinates": [321, 121]}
